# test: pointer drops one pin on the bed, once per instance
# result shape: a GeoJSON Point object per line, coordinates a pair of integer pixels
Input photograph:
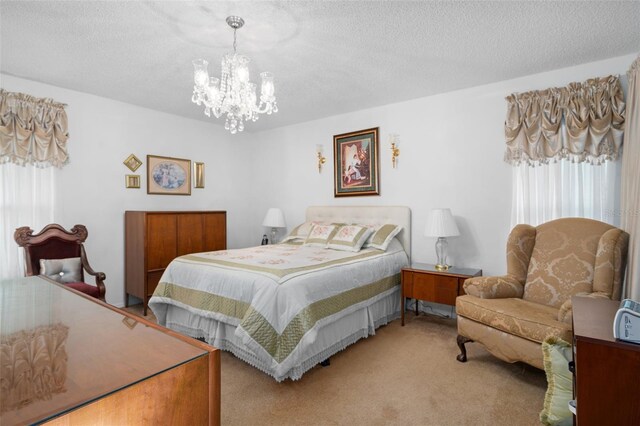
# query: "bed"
{"type": "Point", "coordinates": [286, 307]}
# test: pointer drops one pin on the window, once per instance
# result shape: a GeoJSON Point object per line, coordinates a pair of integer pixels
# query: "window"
{"type": "Point", "coordinates": [565, 189]}
{"type": "Point", "coordinates": [27, 197]}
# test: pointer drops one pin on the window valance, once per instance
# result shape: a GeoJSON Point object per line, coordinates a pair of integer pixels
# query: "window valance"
{"type": "Point", "coordinates": [580, 122]}
{"type": "Point", "coordinates": [32, 130]}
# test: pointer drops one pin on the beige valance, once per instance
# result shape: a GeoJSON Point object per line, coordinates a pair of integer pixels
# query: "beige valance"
{"type": "Point", "coordinates": [580, 122]}
{"type": "Point", "coordinates": [32, 130]}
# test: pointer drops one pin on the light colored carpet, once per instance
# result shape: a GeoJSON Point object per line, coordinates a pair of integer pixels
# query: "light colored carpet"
{"type": "Point", "coordinates": [402, 375]}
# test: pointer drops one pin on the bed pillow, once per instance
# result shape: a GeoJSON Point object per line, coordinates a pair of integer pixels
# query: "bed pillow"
{"type": "Point", "coordinates": [350, 237]}
{"type": "Point", "coordinates": [321, 234]}
{"type": "Point", "coordinates": [62, 270]}
{"type": "Point", "coordinates": [557, 354]}
{"type": "Point", "coordinates": [300, 232]}
{"type": "Point", "coordinates": [382, 236]}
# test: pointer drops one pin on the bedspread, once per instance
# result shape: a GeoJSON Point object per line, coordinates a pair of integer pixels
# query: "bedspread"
{"type": "Point", "coordinates": [278, 296]}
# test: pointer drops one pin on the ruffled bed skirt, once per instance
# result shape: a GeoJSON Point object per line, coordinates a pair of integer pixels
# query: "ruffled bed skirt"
{"type": "Point", "coordinates": [330, 339]}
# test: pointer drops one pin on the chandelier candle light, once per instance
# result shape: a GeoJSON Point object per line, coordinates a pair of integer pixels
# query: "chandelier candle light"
{"type": "Point", "coordinates": [441, 224]}
{"type": "Point", "coordinates": [233, 94]}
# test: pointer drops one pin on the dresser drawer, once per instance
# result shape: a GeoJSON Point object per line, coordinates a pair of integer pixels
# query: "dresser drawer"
{"type": "Point", "coordinates": [153, 278]}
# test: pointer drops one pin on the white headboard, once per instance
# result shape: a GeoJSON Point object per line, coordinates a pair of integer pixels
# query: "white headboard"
{"type": "Point", "coordinates": [398, 215]}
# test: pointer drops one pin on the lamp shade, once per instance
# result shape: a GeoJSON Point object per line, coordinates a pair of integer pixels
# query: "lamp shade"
{"type": "Point", "coordinates": [441, 224]}
{"type": "Point", "coordinates": [274, 218]}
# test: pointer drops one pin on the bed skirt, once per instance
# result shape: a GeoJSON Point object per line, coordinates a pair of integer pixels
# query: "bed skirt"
{"type": "Point", "coordinates": [330, 339]}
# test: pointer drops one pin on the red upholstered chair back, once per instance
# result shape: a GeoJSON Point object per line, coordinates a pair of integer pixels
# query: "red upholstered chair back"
{"type": "Point", "coordinates": [53, 248]}
{"type": "Point", "coordinates": [53, 242]}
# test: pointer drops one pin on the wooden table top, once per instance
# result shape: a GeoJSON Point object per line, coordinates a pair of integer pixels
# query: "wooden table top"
{"type": "Point", "coordinates": [64, 350]}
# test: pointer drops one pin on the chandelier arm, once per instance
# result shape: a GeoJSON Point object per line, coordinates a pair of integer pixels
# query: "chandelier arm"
{"type": "Point", "coordinates": [263, 107]}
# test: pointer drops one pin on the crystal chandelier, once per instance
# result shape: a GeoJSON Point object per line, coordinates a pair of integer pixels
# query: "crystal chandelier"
{"type": "Point", "coordinates": [233, 93]}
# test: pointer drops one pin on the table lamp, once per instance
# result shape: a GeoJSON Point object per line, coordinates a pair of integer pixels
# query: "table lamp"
{"type": "Point", "coordinates": [274, 219]}
{"type": "Point", "coordinates": [441, 224]}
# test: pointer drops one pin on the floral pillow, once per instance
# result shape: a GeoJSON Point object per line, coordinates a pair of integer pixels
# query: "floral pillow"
{"type": "Point", "coordinates": [350, 237]}
{"type": "Point", "coordinates": [382, 236]}
{"type": "Point", "coordinates": [321, 234]}
{"type": "Point", "coordinates": [300, 232]}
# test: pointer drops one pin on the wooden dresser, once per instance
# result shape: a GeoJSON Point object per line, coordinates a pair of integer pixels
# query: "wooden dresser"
{"type": "Point", "coordinates": [606, 370]}
{"type": "Point", "coordinates": [153, 239]}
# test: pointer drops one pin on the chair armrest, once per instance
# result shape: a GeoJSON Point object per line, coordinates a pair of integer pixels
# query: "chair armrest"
{"type": "Point", "coordinates": [499, 287]}
{"type": "Point", "coordinates": [99, 276]}
{"type": "Point", "coordinates": [565, 313]}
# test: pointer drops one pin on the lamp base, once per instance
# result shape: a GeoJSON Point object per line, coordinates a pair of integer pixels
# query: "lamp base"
{"type": "Point", "coordinates": [441, 252]}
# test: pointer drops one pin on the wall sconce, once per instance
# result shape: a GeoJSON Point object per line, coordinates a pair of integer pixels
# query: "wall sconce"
{"type": "Point", "coordinates": [395, 151]}
{"type": "Point", "coordinates": [321, 159]}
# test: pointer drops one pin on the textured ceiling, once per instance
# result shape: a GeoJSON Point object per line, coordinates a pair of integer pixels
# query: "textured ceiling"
{"type": "Point", "coordinates": [328, 57]}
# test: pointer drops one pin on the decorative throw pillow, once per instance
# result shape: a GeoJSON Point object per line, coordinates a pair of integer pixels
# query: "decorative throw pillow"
{"type": "Point", "coordinates": [557, 353]}
{"type": "Point", "coordinates": [350, 237]}
{"type": "Point", "coordinates": [300, 232]}
{"type": "Point", "coordinates": [62, 270]}
{"type": "Point", "coordinates": [321, 234]}
{"type": "Point", "coordinates": [382, 236]}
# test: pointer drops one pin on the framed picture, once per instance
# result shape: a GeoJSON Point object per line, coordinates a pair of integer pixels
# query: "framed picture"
{"type": "Point", "coordinates": [355, 157]}
{"type": "Point", "coordinates": [132, 162]}
{"type": "Point", "coordinates": [198, 174]}
{"type": "Point", "coordinates": [168, 176]}
{"type": "Point", "coordinates": [132, 181]}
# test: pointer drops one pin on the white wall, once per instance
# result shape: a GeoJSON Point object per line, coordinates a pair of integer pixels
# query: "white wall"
{"type": "Point", "coordinates": [91, 188]}
{"type": "Point", "coordinates": [451, 155]}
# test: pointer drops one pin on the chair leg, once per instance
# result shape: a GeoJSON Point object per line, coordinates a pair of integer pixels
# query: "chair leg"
{"type": "Point", "coordinates": [461, 340]}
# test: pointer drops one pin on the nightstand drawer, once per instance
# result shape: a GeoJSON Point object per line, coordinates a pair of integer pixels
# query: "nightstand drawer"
{"type": "Point", "coordinates": [435, 288]}
{"type": "Point", "coordinates": [424, 282]}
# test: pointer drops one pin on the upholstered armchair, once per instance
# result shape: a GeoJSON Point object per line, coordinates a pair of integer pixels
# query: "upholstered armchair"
{"type": "Point", "coordinates": [511, 315]}
{"type": "Point", "coordinates": [59, 254]}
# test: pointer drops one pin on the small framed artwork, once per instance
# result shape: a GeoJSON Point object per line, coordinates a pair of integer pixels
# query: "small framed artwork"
{"type": "Point", "coordinates": [132, 181]}
{"type": "Point", "coordinates": [132, 162]}
{"type": "Point", "coordinates": [168, 176]}
{"type": "Point", "coordinates": [198, 175]}
{"type": "Point", "coordinates": [355, 157]}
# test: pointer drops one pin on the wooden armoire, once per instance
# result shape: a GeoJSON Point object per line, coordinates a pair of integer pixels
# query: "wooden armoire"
{"type": "Point", "coordinates": [154, 238]}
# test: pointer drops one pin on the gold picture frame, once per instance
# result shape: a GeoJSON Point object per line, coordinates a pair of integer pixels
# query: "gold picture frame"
{"type": "Point", "coordinates": [198, 174]}
{"type": "Point", "coordinates": [356, 165]}
{"type": "Point", "coordinates": [132, 162]}
{"type": "Point", "coordinates": [168, 175]}
{"type": "Point", "coordinates": [132, 181]}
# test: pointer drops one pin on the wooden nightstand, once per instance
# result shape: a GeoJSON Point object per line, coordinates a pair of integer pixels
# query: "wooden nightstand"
{"type": "Point", "coordinates": [422, 281]}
